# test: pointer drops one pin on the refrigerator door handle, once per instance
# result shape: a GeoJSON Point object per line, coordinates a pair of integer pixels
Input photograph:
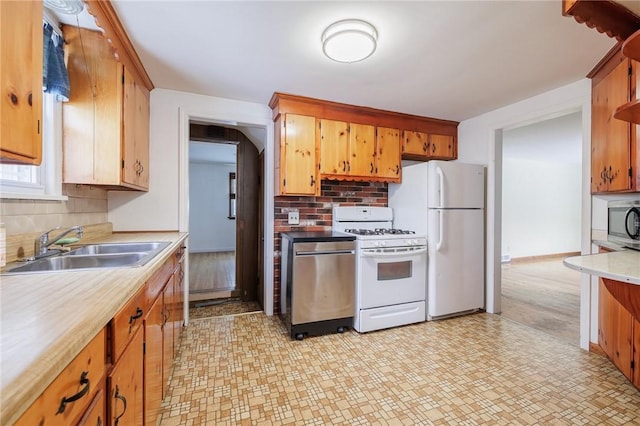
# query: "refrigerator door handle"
{"type": "Point", "coordinates": [440, 186]}
{"type": "Point", "coordinates": [441, 230]}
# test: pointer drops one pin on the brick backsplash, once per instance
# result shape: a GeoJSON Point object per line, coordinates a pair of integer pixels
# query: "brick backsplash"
{"type": "Point", "coordinates": [316, 213]}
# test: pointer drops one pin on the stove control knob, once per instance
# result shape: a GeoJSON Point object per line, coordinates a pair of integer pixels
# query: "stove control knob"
{"type": "Point", "coordinates": [383, 243]}
{"type": "Point", "coordinates": [376, 243]}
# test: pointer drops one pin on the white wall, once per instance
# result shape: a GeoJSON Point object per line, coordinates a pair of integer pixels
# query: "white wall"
{"type": "Point", "coordinates": [480, 141]}
{"type": "Point", "coordinates": [541, 207]}
{"type": "Point", "coordinates": [541, 186]}
{"type": "Point", "coordinates": [210, 228]}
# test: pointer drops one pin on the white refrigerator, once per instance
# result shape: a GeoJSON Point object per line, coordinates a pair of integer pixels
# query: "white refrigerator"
{"type": "Point", "coordinates": [445, 201]}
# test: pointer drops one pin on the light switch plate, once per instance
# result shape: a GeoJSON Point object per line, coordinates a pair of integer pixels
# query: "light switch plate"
{"type": "Point", "coordinates": [294, 218]}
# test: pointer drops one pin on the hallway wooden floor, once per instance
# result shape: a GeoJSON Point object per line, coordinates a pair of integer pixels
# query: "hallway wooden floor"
{"type": "Point", "coordinates": [212, 272]}
{"type": "Point", "coordinates": [543, 294]}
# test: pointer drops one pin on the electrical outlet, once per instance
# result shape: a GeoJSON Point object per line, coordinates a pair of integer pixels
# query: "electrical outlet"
{"type": "Point", "coordinates": [294, 218]}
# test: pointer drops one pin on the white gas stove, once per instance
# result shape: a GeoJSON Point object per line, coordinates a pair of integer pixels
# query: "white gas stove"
{"type": "Point", "coordinates": [391, 268]}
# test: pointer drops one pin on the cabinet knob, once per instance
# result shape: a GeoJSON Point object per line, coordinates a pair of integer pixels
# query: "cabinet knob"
{"type": "Point", "coordinates": [124, 402]}
{"type": "Point", "coordinates": [83, 381]}
{"type": "Point", "coordinates": [313, 181]}
{"type": "Point", "coordinates": [371, 171]}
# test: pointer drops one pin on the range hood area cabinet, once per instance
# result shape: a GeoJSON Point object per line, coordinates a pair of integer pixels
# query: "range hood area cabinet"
{"type": "Point", "coordinates": [615, 156]}
{"type": "Point", "coordinates": [358, 151]}
{"type": "Point", "coordinates": [106, 121]}
{"type": "Point", "coordinates": [21, 63]}
{"type": "Point", "coordinates": [317, 139]}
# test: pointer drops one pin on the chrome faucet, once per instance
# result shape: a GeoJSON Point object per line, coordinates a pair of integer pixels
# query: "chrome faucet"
{"type": "Point", "coordinates": [43, 242]}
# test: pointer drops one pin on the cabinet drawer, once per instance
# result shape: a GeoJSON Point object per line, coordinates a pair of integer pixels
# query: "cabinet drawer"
{"type": "Point", "coordinates": [69, 395]}
{"type": "Point", "coordinates": [126, 322]}
{"type": "Point", "coordinates": [156, 283]}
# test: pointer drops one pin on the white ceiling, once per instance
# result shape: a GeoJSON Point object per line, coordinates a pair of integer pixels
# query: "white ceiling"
{"type": "Point", "coordinates": [445, 59]}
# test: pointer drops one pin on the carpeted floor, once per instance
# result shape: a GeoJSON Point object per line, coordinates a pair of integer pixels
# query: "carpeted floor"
{"type": "Point", "coordinates": [220, 308]}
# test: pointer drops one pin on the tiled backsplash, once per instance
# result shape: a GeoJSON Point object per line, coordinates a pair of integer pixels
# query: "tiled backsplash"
{"type": "Point", "coordinates": [86, 205]}
{"type": "Point", "coordinates": [316, 213]}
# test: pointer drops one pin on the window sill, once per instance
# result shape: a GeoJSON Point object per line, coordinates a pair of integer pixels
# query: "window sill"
{"type": "Point", "coordinates": [43, 197]}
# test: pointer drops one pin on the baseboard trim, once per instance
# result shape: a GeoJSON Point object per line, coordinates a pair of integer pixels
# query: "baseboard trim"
{"type": "Point", "coordinates": [596, 349]}
{"type": "Point", "coordinates": [544, 257]}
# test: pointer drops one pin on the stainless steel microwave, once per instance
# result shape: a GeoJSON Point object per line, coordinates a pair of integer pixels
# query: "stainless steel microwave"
{"type": "Point", "coordinates": [624, 223]}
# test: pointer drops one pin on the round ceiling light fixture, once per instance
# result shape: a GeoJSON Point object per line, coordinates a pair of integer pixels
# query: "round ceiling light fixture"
{"type": "Point", "coordinates": [349, 40]}
{"type": "Point", "coordinates": [67, 7]}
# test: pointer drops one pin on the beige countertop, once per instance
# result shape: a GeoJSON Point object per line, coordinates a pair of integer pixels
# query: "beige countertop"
{"type": "Point", "coordinates": [47, 318]}
{"type": "Point", "coordinates": [621, 266]}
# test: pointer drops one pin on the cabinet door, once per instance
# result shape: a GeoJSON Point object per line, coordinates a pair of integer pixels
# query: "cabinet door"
{"type": "Point", "coordinates": [362, 150]}
{"type": "Point", "coordinates": [388, 157]}
{"type": "Point", "coordinates": [415, 144]}
{"type": "Point", "coordinates": [333, 139]}
{"type": "Point", "coordinates": [95, 414]}
{"type": "Point", "coordinates": [167, 336]}
{"type": "Point", "coordinates": [135, 120]}
{"type": "Point", "coordinates": [92, 117]}
{"type": "Point", "coordinates": [153, 360]}
{"type": "Point", "coordinates": [442, 147]}
{"type": "Point", "coordinates": [21, 65]}
{"type": "Point", "coordinates": [610, 138]}
{"type": "Point", "coordinates": [298, 156]}
{"type": "Point", "coordinates": [178, 297]}
{"type": "Point", "coordinates": [636, 352]}
{"type": "Point", "coordinates": [126, 385]}
{"type": "Point", "coordinates": [615, 331]}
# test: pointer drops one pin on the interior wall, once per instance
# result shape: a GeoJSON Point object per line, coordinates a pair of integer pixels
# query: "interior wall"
{"type": "Point", "coordinates": [540, 208]}
{"type": "Point", "coordinates": [480, 141]}
{"type": "Point", "coordinates": [541, 184]}
{"type": "Point", "coordinates": [210, 228]}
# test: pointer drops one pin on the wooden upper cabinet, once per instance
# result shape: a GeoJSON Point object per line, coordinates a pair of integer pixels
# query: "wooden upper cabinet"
{"type": "Point", "coordinates": [362, 150]}
{"type": "Point", "coordinates": [415, 144]}
{"type": "Point", "coordinates": [423, 147]}
{"type": "Point", "coordinates": [136, 133]}
{"type": "Point", "coordinates": [296, 164]}
{"type": "Point", "coordinates": [106, 121]}
{"type": "Point", "coordinates": [613, 161]}
{"type": "Point", "coordinates": [388, 161]}
{"type": "Point", "coordinates": [346, 149]}
{"type": "Point", "coordinates": [353, 142]}
{"type": "Point", "coordinates": [443, 147]}
{"type": "Point", "coordinates": [333, 140]}
{"type": "Point", "coordinates": [21, 71]}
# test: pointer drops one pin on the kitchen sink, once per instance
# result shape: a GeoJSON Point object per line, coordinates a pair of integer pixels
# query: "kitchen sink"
{"type": "Point", "coordinates": [111, 248]}
{"type": "Point", "coordinates": [108, 255]}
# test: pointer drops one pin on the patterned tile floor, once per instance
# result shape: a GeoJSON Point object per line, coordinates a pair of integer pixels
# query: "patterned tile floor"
{"type": "Point", "coordinates": [474, 370]}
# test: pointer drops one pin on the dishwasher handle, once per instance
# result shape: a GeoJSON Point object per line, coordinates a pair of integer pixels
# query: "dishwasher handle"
{"type": "Point", "coordinates": [324, 252]}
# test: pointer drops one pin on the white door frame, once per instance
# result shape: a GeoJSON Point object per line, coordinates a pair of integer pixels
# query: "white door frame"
{"type": "Point", "coordinates": [494, 209]}
{"type": "Point", "coordinates": [230, 118]}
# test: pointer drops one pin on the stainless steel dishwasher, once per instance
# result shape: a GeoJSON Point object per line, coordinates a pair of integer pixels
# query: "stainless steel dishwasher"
{"type": "Point", "coordinates": [317, 282]}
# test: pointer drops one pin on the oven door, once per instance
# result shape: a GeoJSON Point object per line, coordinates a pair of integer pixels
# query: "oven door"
{"type": "Point", "coordinates": [391, 276]}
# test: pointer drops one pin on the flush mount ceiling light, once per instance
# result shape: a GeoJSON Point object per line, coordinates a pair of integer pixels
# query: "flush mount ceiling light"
{"type": "Point", "coordinates": [67, 7]}
{"type": "Point", "coordinates": [350, 40]}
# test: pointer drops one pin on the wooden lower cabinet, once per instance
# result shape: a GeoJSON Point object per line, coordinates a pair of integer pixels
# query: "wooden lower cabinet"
{"type": "Point", "coordinates": [95, 414]}
{"type": "Point", "coordinates": [125, 384]}
{"type": "Point", "coordinates": [617, 331]}
{"type": "Point", "coordinates": [153, 376]}
{"type": "Point", "coordinates": [167, 335]}
{"type": "Point", "coordinates": [68, 397]}
{"type": "Point", "coordinates": [636, 353]}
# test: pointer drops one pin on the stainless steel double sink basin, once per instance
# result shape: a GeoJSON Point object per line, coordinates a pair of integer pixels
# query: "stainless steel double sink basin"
{"type": "Point", "coordinates": [107, 255]}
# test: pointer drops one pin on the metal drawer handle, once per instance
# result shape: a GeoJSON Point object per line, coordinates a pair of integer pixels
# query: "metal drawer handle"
{"type": "Point", "coordinates": [133, 318]}
{"type": "Point", "coordinates": [124, 401]}
{"type": "Point", "coordinates": [73, 398]}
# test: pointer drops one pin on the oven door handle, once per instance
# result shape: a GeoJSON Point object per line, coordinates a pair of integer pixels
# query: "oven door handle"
{"type": "Point", "coordinates": [392, 252]}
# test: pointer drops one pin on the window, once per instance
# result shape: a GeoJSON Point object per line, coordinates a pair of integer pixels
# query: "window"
{"type": "Point", "coordinates": [44, 181]}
